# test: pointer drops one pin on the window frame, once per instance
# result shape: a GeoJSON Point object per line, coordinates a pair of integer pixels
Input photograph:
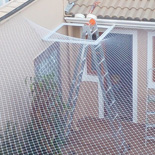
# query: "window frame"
{"type": "Point", "coordinates": [150, 82]}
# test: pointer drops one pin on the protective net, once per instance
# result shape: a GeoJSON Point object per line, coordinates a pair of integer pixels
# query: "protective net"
{"type": "Point", "coordinates": [68, 96]}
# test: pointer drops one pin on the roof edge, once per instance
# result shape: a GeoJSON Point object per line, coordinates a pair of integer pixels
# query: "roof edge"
{"type": "Point", "coordinates": [118, 23]}
{"type": "Point", "coordinates": [16, 10]}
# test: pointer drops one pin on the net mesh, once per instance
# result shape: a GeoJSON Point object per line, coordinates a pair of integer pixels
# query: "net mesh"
{"type": "Point", "coordinates": [60, 97]}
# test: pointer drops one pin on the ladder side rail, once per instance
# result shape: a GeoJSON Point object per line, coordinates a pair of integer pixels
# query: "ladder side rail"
{"type": "Point", "coordinates": [77, 93]}
{"type": "Point", "coordinates": [106, 70]}
{"type": "Point", "coordinates": [72, 86]}
{"type": "Point", "coordinates": [86, 32]}
{"type": "Point", "coordinates": [112, 95]}
{"type": "Point", "coordinates": [75, 74]}
{"type": "Point", "coordinates": [107, 78]}
{"type": "Point", "coordinates": [98, 69]}
{"type": "Point", "coordinates": [73, 89]}
{"type": "Point", "coordinates": [112, 104]}
{"type": "Point", "coordinates": [97, 33]}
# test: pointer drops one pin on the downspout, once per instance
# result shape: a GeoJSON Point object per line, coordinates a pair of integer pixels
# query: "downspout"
{"type": "Point", "coordinates": [68, 60]}
{"type": "Point", "coordinates": [66, 14]}
{"type": "Point", "coordinates": [68, 8]}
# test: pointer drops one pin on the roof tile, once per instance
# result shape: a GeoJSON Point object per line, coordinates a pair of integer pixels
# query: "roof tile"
{"type": "Point", "coordinates": [121, 9]}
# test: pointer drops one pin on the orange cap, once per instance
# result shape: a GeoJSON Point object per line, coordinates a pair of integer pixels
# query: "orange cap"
{"type": "Point", "coordinates": [92, 21]}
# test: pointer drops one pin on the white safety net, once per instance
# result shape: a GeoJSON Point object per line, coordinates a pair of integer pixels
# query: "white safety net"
{"type": "Point", "coordinates": [66, 96]}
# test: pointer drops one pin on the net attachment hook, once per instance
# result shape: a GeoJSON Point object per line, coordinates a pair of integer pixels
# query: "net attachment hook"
{"type": "Point", "coordinates": [69, 6]}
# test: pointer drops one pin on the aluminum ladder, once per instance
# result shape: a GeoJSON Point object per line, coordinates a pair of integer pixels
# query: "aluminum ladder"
{"type": "Point", "coordinates": [77, 76]}
{"type": "Point", "coordinates": [150, 101]}
{"type": "Point", "coordinates": [90, 32]}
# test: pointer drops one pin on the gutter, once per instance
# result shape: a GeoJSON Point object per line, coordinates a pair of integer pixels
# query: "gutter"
{"type": "Point", "coordinates": [118, 23]}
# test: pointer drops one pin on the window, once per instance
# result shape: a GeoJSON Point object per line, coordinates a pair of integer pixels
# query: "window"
{"type": "Point", "coordinates": [48, 62]}
{"type": "Point", "coordinates": [151, 60]}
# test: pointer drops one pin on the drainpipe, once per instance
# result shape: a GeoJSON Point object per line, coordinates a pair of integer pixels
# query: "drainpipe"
{"type": "Point", "coordinates": [68, 8]}
{"type": "Point", "coordinates": [66, 13]}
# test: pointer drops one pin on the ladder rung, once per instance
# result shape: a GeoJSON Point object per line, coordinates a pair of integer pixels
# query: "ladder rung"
{"type": "Point", "coordinates": [84, 59]}
{"type": "Point", "coordinates": [80, 73]}
{"type": "Point", "coordinates": [151, 98]}
{"type": "Point", "coordinates": [120, 129]}
{"type": "Point", "coordinates": [151, 113]}
{"type": "Point", "coordinates": [75, 98]}
{"type": "Point", "coordinates": [105, 74]}
{"type": "Point", "coordinates": [72, 111]}
{"type": "Point", "coordinates": [112, 103]}
{"type": "Point", "coordinates": [150, 125]}
{"type": "Point", "coordinates": [97, 46]}
{"type": "Point", "coordinates": [73, 81]}
{"type": "Point", "coordinates": [122, 144]}
{"type": "Point", "coordinates": [85, 34]}
{"type": "Point", "coordinates": [115, 117]}
{"type": "Point", "coordinates": [126, 149]}
{"type": "Point", "coordinates": [94, 31]}
{"type": "Point", "coordinates": [69, 123]}
{"type": "Point", "coordinates": [101, 61]}
{"type": "Point", "coordinates": [108, 90]}
{"type": "Point", "coordinates": [150, 138]}
{"type": "Point", "coordinates": [78, 85]}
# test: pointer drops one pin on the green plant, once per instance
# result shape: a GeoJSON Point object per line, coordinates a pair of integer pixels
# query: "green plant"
{"type": "Point", "coordinates": [43, 134]}
{"type": "Point", "coordinates": [48, 110]}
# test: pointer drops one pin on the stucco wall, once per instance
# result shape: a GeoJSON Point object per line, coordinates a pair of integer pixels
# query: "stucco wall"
{"type": "Point", "coordinates": [19, 45]}
{"type": "Point", "coordinates": [47, 13]}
